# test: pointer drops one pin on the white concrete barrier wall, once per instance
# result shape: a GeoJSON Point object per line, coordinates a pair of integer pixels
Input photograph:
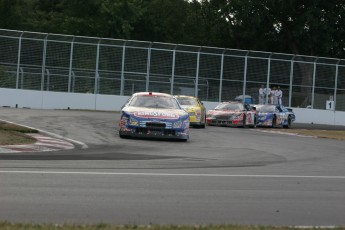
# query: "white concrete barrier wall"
{"type": "Point", "coordinates": [59, 100]}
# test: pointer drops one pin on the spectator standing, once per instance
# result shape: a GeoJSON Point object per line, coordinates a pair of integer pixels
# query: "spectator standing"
{"type": "Point", "coordinates": [274, 99]}
{"type": "Point", "coordinates": [262, 94]}
{"type": "Point", "coordinates": [279, 95]}
{"type": "Point", "coordinates": [267, 92]}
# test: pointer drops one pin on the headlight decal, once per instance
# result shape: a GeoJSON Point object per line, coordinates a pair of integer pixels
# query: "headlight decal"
{"type": "Point", "coordinates": [133, 121]}
{"type": "Point", "coordinates": [237, 115]}
{"type": "Point", "coordinates": [186, 123]}
{"type": "Point", "coordinates": [177, 124]}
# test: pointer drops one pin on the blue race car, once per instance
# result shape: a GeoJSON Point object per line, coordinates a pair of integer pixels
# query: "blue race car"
{"type": "Point", "coordinates": [274, 115]}
{"type": "Point", "coordinates": [154, 115]}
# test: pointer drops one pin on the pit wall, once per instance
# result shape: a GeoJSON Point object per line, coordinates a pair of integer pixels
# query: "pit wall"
{"type": "Point", "coordinates": [60, 100]}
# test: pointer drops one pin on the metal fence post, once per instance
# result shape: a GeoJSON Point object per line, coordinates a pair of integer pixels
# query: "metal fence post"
{"type": "Point", "coordinates": [268, 76]}
{"type": "Point", "coordinates": [122, 88]}
{"type": "Point", "coordinates": [291, 79]}
{"type": "Point", "coordinates": [96, 70]}
{"type": "Point", "coordinates": [221, 77]}
{"type": "Point", "coordinates": [44, 61]}
{"type": "Point", "coordinates": [48, 79]}
{"type": "Point", "coordinates": [245, 77]}
{"type": "Point", "coordinates": [173, 71]}
{"type": "Point", "coordinates": [21, 77]}
{"type": "Point", "coordinates": [313, 88]}
{"type": "Point", "coordinates": [336, 84]}
{"type": "Point", "coordinates": [197, 75]}
{"type": "Point", "coordinates": [148, 64]}
{"type": "Point", "coordinates": [73, 81]}
{"type": "Point", "coordinates": [70, 66]}
{"type": "Point", "coordinates": [18, 60]}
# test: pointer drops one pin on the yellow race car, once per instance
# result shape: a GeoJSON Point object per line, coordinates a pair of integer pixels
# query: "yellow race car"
{"type": "Point", "coordinates": [195, 108]}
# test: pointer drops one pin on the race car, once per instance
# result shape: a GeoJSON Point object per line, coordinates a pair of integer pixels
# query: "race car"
{"type": "Point", "coordinates": [195, 108]}
{"type": "Point", "coordinates": [154, 115]}
{"type": "Point", "coordinates": [232, 114]}
{"type": "Point", "coordinates": [274, 115]}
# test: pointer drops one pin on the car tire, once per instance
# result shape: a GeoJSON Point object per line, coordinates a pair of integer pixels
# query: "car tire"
{"type": "Point", "coordinates": [255, 123]}
{"type": "Point", "coordinates": [184, 140]}
{"type": "Point", "coordinates": [274, 122]}
{"type": "Point", "coordinates": [289, 123]}
{"type": "Point", "coordinates": [203, 125]}
{"type": "Point", "coordinates": [244, 122]}
{"type": "Point", "coordinates": [123, 136]}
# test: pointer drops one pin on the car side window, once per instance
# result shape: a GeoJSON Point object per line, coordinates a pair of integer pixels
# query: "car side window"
{"type": "Point", "coordinates": [125, 104]}
{"type": "Point", "coordinates": [283, 109]}
{"type": "Point", "coordinates": [199, 102]}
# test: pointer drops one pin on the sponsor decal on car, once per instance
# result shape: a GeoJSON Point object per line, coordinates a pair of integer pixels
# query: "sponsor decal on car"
{"type": "Point", "coordinates": [155, 114]}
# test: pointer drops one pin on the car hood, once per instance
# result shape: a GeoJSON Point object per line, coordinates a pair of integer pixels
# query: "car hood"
{"type": "Point", "coordinates": [153, 113]}
{"type": "Point", "coordinates": [219, 112]}
{"type": "Point", "coordinates": [190, 108]}
{"type": "Point", "coordinates": [264, 113]}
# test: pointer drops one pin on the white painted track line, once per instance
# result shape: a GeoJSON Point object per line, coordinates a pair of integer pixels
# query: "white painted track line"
{"type": "Point", "coordinates": [169, 174]}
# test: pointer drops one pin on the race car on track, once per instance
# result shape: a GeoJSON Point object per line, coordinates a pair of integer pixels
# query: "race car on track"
{"type": "Point", "coordinates": [274, 115]}
{"type": "Point", "coordinates": [154, 115]}
{"type": "Point", "coordinates": [195, 108]}
{"type": "Point", "coordinates": [232, 114]}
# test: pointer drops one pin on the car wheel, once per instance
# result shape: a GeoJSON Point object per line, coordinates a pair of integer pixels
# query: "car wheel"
{"type": "Point", "coordinates": [274, 122]}
{"type": "Point", "coordinates": [203, 125]}
{"type": "Point", "coordinates": [123, 136]}
{"type": "Point", "coordinates": [184, 140]}
{"type": "Point", "coordinates": [255, 123]}
{"type": "Point", "coordinates": [244, 122]}
{"type": "Point", "coordinates": [289, 123]}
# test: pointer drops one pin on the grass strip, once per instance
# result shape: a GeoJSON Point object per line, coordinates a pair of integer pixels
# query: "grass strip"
{"type": "Point", "coordinates": [11, 226]}
{"type": "Point", "coordinates": [331, 134]}
{"type": "Point", "coordinates": [17, 128]}
{"type": "Point", "coordinates": [12, 134]}
{"type": "Point", "coordinates": [15, 138]}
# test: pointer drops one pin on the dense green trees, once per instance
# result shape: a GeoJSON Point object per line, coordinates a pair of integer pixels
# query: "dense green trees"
{"type": "Point", "coordinates": [288, 26]}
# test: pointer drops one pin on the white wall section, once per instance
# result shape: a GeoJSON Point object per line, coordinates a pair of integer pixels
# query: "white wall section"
{"type": "Point", "coordinates": [61, 100]}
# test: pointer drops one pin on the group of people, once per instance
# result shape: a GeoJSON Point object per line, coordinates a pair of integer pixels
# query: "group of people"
{"type": "Point", "coordinates": [274, 96]}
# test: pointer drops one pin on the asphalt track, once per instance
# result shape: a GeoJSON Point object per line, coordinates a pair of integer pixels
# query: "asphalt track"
{"type": "Point", "coordinates": [221, 176]}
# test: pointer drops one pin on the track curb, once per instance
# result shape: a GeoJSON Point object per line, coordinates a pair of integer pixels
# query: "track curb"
{"type": "Point", "coordinates": [45, 141]}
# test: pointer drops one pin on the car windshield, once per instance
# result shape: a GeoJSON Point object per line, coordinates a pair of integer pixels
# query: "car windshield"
{"type": "Point", "coordinates": [230, 106]}
{"type": "Point", "coordinates": [154, 102]}
{"type": "Point", "coordinates": [283, 109]}
{"type": "Point", "coordinates": [266, 108]}
{"type": "Point", "coordinates": [187, 101]}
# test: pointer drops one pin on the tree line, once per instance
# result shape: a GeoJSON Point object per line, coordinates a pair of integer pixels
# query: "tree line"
{"type": "Point", "coordinates": [305, 27]}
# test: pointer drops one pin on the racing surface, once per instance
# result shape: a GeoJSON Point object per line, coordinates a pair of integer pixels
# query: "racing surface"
{"type": "Point", "coordinates": [220, 176]}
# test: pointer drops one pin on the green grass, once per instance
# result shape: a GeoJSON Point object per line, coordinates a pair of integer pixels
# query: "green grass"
{"type": "Point", "coordinates": [330, 134]}
{"type": "Point", "coordinates": [16, 128]}
{"type": "Point", "coordinates": [11, 226]}
{"type": "Point", "coordinates": [11, 134]}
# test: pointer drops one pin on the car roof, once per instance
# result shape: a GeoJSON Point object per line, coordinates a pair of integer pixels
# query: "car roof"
{"type": "Point", "coordinates": [185, 96]}
{"type": "Point", "coordinates": [232, 102]}
{"type": "Point", "coordinates": [265, 105]}
{"type": "Point", "coordinates": [152, 94]}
